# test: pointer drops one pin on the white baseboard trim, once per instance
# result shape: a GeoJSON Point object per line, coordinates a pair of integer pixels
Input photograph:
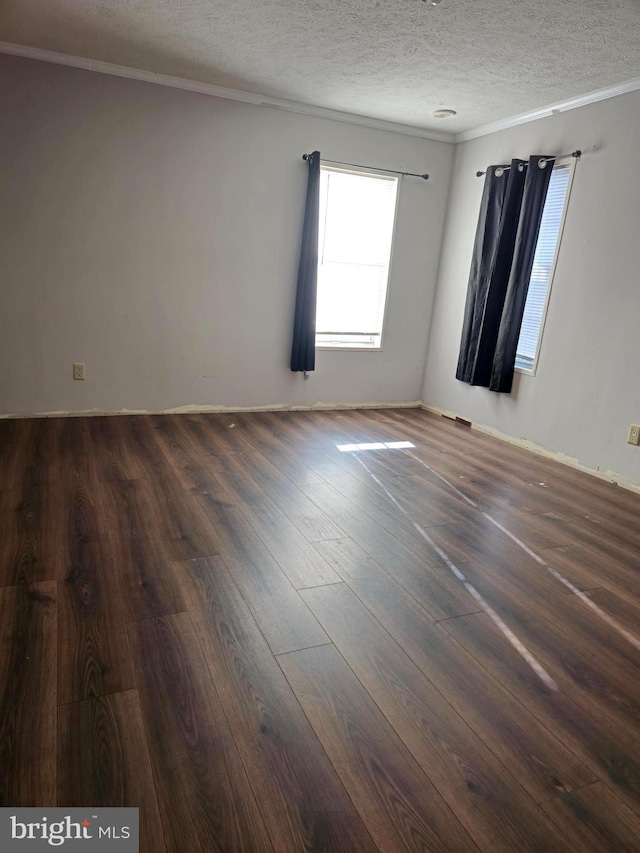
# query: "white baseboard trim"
{"type": "Point", "coordinates": [570, 461]}
{"type": "Point", "coordinates": [204, 409]}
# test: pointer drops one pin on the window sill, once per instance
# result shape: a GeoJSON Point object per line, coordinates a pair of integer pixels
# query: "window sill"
{"type": "Point", "coordinates": [348, 348]}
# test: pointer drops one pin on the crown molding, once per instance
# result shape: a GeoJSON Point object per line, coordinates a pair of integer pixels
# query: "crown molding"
{"type": "Point", "coordinates": [218, 91]}
{"type": "Point", "coordinates": [308, 109]}
{"type": "Point", "coordinates": [553, 109]}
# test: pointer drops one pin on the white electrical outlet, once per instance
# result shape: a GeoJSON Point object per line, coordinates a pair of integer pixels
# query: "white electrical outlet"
{"type": "Point", "coordinates": [634, 434]}
{"type": "Point", "coordinates": [78, 370]}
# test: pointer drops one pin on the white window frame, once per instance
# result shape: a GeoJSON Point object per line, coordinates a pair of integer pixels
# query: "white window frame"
{"type": "Point", "coordinates": [564, 161]}
{"type": "Point", "coordinates": [353, 170]}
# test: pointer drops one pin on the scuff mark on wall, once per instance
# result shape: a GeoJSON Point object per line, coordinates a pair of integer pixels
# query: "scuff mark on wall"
{"type": "Point", "coordinates": [201, 408]}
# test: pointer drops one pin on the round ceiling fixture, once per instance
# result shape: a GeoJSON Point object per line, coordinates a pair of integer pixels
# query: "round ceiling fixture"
{"type": "Point", "coordinates": [444, 113]}
{"type": "Point", "coordinates": [434, 2]}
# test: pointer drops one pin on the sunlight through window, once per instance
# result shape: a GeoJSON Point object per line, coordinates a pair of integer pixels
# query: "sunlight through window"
{"type": "Point", "coordinates": [357, 212]}
{"type": "Point", "coordinates": [375, 445]}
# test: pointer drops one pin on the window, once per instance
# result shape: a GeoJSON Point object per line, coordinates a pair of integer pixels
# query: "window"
{"type": "Point", "coordinates": [357, 213]}
{"type": "Point", "coordinates": [544, 262]}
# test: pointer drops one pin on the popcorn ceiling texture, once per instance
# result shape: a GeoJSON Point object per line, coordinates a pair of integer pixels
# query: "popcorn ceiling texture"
{"type": "Point", "coordinates": [390, 59]}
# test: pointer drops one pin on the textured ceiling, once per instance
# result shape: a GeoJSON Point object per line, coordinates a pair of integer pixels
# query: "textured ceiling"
{"type": "Point", "coordinates": [390, 59]}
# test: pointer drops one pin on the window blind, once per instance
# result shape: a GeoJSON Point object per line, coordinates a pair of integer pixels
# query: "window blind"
{"type": "Point", "coordinates": [543, 263]}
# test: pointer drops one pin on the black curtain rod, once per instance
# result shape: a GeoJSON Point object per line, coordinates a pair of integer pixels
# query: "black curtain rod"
{"type": "Point", "coordinates": [575, 154]}
{"type": "Point", "coordinates": [358, 166]}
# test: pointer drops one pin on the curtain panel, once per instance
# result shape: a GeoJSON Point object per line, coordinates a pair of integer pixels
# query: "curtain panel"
{"type": "Point", "coordinates": [505, 242]}
{"type": "Point", "coordinates": [303, 349]}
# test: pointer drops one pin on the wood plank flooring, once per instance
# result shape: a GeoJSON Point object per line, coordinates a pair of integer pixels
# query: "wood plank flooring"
{"type": "Point", "coordinates": [267, 642]}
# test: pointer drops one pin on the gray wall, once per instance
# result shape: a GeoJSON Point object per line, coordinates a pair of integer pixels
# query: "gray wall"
{"type": "Point", "coordinates": [586, 390]}
{"type": "Point", "coordinates": [153, 234]}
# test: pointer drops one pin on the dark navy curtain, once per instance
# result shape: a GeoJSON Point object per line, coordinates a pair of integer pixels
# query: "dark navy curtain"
{"type": "Point", "coordinates": [303, 350]}
{"type": "Point", "coordinates": [490, 266]}
{"type": "Point", "coordinates": [535, 193]}
{"type": "Point", "coordinates": [506, 237]}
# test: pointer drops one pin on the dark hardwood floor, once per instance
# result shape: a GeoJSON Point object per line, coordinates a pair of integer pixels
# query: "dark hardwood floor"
{"type": "Point", "coordinates": [266, 642]}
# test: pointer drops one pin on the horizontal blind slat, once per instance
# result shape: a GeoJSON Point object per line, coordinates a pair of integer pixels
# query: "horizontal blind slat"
{"type": "Point", "coordinates": [544, 257]}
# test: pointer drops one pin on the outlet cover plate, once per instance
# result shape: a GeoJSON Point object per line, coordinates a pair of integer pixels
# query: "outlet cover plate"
{"type": "Point", "coordinates": [634, 434]}
{"type": "Point", "coordinates": [78, 370]}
